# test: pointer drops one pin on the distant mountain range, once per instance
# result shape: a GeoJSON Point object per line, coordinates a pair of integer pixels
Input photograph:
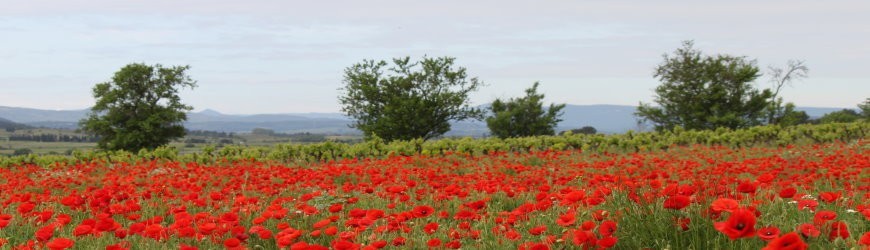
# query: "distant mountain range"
{"type": "Point", "coordinates": [605, 118]}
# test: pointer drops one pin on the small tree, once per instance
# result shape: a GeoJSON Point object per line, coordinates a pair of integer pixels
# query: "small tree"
{"type": "Point", "coordinates": [22, 151]}
{"type": "Point", "coordinates": [790, 117]}
{"type": "Point", "coordinates": [865, 109]}
{"type": "Point", "coordinates": [524, 116]}
{"type": "Point", "coordinates": [842, 116]}
{"type": "Point", "coordinates": [409, 101]}
{"type": "Point", "coordinates": [139, 108]}
{"type": "Point", "coordinates": [780, 77]}
{"type": "Point", "coordinates": [705, 92]}
{"type": "Point", "coordinates": [586, 130]}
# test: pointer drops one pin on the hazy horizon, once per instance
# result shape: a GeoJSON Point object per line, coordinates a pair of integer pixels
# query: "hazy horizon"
{"type": "Point", "coordinates": [288, 57]}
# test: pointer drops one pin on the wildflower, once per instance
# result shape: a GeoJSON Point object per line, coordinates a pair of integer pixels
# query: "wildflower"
{"type": "Point", "coordinates": [740, 224]}
{"type": "Point", "coordinates": [789, 241]}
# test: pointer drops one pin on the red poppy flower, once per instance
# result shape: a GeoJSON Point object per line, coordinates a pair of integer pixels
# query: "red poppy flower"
{"type": "Point", "coordinates": [4, 220]}
{"type": "Point", "coordinates": [512, 235]}
{"type": "Point", "coordinates": [824, 216]}
{"type": "Point", "coordinates": [865, 240]}
{"type": "Point", "coordinates": [322, 223]}
{"type": "Point", "coordinates": [747, 187]}
{"type": "Point", "coordinates": [59, 244]}
{"type": "Point", "coordinates": [789, 241]}
{"type": "Point", "coordinates": [724, 205]}
{"type": "Point", "coordinates": [186, 247]}
{"type": "Point", "coordinates": [25, 207]}
{"type": "Point", "coordinates": [534, 246]}
{"type": "Point", "coordinates": [454, 244]}
{"type": "Point", "coordinates": [476, 205]}
{"type": "Point", "coordinates": [839, 229]}
{"type": "Point", "coordinates": [808, 204]}
{"type": "Point", "coordinates": [335, 208]}
{"type": "Point", "coordinates": [740, 224]}
{"type": "Point", "coordinates": [264, 234]}
{"type": "Point", "coordinates": [45, 233]}
{"type": "Point", "coordinates": [431, 228]}
{"type": "Point", "coordinates": [607, 242]}
{"type": "Point", "coordinates": [399, 241]}
{"type": "Point", "coordinates": [436, 242]}
{"type": "Point", "coordinates": [537, 230]}
{"type": "Point", "coordinates": [422, 211]}
{"type": "Point", "coordinates": [787, 193]}
{"type": "Point", "coordinates": [466, 215]}
{"type": "Point", "coordinates": [809, 230]}
{"type": "Point", "coordinates": [120, 246]}
{"type": "Point", "coordinates": [82, 230]}
{"type": "Point", "coordinates": [600, 214]}
{"type": "Point", "coordinates": [607, 228]}
{"type": "Point", "coordinates": [829, 197]}
{"type": "Point", "coordinates": [583, 238]}
{"type": "Point", "coordinates": [677, 202]}
{"type": "Point", "coordinates": [768, 233]}
{"type": "Point", "coordinates": [683, 223]}
{"type": "Point", "coordinates": [566, 219]}
{"type": "Point", "coordinates": [232, 243]}
{"type": "Point", "coordinates": [344, 245]}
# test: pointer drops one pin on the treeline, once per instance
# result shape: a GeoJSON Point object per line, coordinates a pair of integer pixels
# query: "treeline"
{"type": "Point", "coordinates": [53, 138]}
{"type": "Point", "coordinates": [294, 137]}
{"type": "Point", "coordinates": [208, 133]}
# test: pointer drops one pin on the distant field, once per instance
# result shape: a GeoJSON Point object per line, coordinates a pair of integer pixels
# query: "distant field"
{"type": "Point", "coordinates": [185, 146]}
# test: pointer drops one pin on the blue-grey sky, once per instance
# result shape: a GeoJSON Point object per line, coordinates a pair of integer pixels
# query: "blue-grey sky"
{"type": "Point", "coordinates": [282, 56]}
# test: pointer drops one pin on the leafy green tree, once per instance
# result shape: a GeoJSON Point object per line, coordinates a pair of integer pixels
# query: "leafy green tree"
{"type": "Point", "coordinates": [22, 151]}
{"type": "Point", "coordinates": [790, 117]}
{"type": "Point", "coordinates": [524, 116]}
{"type": "Point", "coordinates": [705, 92]}
{"type": "Point", "coordinates": [842, 116]}
{"type": "Point", "coordinates": [139, 108]}
{"type": "Point", "coordinates": [865, 109]}
{"type": "Point", "coordinates": [408, 100]}
{"type": "Point", "coordinates": [586, 130]}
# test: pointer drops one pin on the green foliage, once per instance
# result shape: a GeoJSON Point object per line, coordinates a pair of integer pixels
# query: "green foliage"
{"type": "Point", "coordinates": [772, 135]}
{"type": "Point", "coordinates": [586, 130]}
{"type": "Point", "coordinates": [22, 151]}
{"type": "Point", "coordinates": [790, 117]}
{"type": "Point", "coordinates": [705, 92]}
{"type": "Point", "coordinates": [845, 115]}
{"type": "Point", "coordinates": [410, 101]}
{"type": "Point", "coordinates": [263, 131]}
{"type": "Point", "coordinates": [524, 116]}
{"type": "Point", "coordinates": [139, 108]}
{"type": "Point", "coordinates": [865, 109]}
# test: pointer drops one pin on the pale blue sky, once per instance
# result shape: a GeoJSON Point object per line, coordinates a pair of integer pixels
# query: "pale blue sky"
{"type": "Point", "coordinates": [288, 56]}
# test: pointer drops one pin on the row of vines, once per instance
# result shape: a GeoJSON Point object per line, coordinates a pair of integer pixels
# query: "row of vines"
{"type": "Point", "coordinates": [627, 142]}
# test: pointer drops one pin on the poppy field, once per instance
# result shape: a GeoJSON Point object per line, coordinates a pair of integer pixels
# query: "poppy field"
{"type": "Point", "coordinates": [693, 197]}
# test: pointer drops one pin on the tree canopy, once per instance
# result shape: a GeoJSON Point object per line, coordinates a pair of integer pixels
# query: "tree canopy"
{"type": "Point", "coordinates": [698, 91]}
{"type": "Point", "coordinates": [586, 130]}
{"type": "Point", "coordinates": [408, 100]}
{"type": "Point", "coordinates": [865, 109]}
{"type": "Point", "coordinates": [139, 108]}
{"type": "Point", "coordinates": [524, 116]}
{"type": "Point", "coordinates": [842, 116]}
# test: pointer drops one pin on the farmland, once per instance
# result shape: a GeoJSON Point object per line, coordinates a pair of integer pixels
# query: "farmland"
{"type": "Point", "coordinates": [695, 196]}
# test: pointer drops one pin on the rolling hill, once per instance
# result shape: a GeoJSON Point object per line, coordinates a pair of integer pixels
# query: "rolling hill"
{"type": "Point", "coordinates": [605, 118]}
